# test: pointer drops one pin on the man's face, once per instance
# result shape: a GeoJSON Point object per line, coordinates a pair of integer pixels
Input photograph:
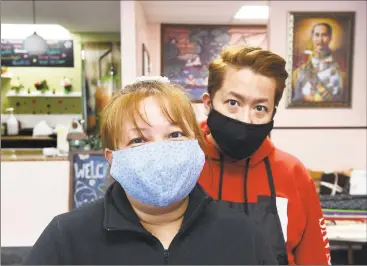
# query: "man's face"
{"type": "Point", "coordinates": [244, 96]}
{"type": "Point", "coordinates": [320, 38]}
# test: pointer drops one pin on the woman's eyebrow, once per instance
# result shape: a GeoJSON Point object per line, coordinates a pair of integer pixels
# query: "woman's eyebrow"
{"type": "Point", "coordinates": [138, 129]}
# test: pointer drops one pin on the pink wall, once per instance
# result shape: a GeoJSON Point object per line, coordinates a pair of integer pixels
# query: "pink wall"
{"type": "Point", "coordinates": [323, 149]}
{"type": "Point", "coordinates": [356, 116]}
{"type": "Point", "coordinates": [149, 34]}
{"type": "Point", "coordinates": [128, 42]}
{"type": "Point", "coordinates": [318, 149]}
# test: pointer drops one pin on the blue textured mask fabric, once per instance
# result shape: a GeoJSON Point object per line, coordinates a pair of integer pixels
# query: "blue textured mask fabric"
{"type": "Point", "coordinates": [159, 173]}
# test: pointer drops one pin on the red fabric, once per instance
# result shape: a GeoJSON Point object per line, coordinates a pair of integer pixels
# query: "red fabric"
{"type": "Point", "coordinates": [307, 242]}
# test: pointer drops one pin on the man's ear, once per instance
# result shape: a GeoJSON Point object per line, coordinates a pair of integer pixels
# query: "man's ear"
{"type": "Point", "coordinates": [274, 112]}
{"type": "Point", "coordinates": [108, 155]}
{"type": "Point", "coordinates": [207, 103]}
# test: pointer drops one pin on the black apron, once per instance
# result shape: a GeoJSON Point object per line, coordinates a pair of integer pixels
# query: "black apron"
{"type": "Point", "coordinates": [264, 213]}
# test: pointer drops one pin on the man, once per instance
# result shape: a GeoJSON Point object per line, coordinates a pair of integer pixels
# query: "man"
{"type": "Point", "coordinates": [320, 78]}
{"type": "Point", "coordinates": [243, 168]}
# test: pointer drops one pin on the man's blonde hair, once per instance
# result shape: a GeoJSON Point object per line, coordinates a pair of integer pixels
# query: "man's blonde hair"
{"type": "Point", "coordinates": [124, 106]}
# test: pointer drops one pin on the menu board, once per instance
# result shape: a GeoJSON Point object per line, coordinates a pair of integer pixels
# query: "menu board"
{"type": "Point", "coordinates": [60, 53]}
{"type": "Point", "coordinates": [89, 177]}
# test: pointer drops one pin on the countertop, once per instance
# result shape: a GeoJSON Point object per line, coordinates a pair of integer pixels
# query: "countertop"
{"type": "Point", "coordinates": [9, 155]}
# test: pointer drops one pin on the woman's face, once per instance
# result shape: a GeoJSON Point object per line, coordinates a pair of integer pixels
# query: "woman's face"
{"type": "Point", "coordinates": [159, 128]}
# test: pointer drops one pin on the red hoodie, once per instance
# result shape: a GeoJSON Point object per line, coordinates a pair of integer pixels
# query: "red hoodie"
{"type": "Point", "coordinates": [302, 219]}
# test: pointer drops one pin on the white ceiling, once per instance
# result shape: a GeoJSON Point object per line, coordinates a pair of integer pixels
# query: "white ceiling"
{"type": "Point", "coordinates": [104, 16]}
{"type": "Point", "coordinates": [196, 12]}
{"type": "Point", "coordinates": [76, 16]}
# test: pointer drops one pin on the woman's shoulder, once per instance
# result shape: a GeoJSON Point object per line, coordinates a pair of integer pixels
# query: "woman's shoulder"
{"type": "Point", "coordinates": [82, 218]}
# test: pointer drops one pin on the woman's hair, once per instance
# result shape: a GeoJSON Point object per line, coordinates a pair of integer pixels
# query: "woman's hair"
{"type": "Point", "coordinates": [124, 106]}
{"type": "Point", "coordinates": [260, 61]}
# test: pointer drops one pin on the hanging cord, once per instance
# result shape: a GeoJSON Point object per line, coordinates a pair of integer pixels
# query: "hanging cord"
{"type": "Point", "coordinates": [221, 177]}
{"type": "Point", "coordinates": [34, 11]}
{"type": "Point", "coordinates": [245, 185]}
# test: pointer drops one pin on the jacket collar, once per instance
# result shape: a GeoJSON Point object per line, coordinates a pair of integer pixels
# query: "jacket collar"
{"type": "Point", "coordinates": [119, 215]}
{"type": "Point", "coordinates": [212, 153]}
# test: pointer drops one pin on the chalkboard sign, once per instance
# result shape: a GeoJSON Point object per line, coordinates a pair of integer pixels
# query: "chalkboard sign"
{"type": "Point", "coordinates": [89, 173]}
{"type": "Point", "coordinates": [60, 53]}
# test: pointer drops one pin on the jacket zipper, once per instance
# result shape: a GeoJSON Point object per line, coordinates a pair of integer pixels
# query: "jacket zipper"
{"type": "Point", "coordinates": [180, 232]}
{"type": "Point", "coordinates": [166, 251]}
{"type": "Point", "coordinates": [166, 256]}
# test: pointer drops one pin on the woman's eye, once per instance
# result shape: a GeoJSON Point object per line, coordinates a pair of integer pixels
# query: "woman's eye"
{"type": "Point", "coordinates": [261, 108]}
{"type": "Point", "coordinates": [176, 135]}
{"type": "Point", "coordinates": [136, 141]}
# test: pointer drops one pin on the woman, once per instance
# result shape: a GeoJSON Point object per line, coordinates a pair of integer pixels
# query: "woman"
{"type": "Point", "coordinates": [155, 213]}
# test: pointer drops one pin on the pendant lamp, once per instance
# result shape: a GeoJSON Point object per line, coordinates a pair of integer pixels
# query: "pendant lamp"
{"type": "Point", "coordinates": [35, 44]}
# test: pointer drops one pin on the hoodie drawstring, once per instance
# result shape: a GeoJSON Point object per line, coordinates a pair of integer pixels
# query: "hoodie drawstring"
{"type": "Point", "coordinates": [221, 177]}
{"type": "Point", "coordinates": [245, 181]}
{"type": "Point", "coordinates": [245, 185]}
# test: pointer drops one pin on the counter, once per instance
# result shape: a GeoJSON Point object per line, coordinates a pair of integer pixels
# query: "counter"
{"type": "Point", "coordinates": [24, 155]}
{"type": "Point", "coordinates": [35, 189]}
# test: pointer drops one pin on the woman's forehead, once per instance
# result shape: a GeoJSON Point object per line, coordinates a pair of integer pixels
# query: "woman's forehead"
{"type": "Point", "coordinates": [150, 112]}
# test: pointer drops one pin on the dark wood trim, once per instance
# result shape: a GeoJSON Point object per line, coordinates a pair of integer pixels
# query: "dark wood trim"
{"type": "Point", "coordinates": [145, 50]}
{"type": "Point", "coordinates": [323, 128]}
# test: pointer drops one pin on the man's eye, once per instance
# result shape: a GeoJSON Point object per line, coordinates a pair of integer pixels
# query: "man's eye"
{"type": "Point", "coordinates": [261, 108]}
{"type": "Point", "coordinates": [177, 134]}
{"type": "Point", "coordinates": [233, 102]}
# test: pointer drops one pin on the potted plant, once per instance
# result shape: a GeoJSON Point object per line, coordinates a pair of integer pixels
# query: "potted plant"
{"type": "Point", "coordinates": [66, 83]}
{"type": "Point", "coordinates": [16, 85]}
{"type": "Point", "coordinates": [41, 86]}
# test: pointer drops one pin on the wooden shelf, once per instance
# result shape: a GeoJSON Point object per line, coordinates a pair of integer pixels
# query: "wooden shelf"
{"type": "Point", "coordinates": [17, 137]}
{"type": "Point", "coordinates": [75, 94]}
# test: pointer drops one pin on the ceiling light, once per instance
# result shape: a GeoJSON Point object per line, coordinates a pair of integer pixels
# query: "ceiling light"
{"type": "Point", "coordinates": [35, 44]}
{"type": "Point", "coordinates": [252, 12]}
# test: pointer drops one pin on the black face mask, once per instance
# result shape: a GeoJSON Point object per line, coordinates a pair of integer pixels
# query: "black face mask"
{"type": "Point", "coordinates": [237, 139]}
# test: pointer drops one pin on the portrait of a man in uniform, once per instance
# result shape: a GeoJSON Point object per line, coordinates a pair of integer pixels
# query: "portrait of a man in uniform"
{"type": "Point", "coordinates": [321, 60]}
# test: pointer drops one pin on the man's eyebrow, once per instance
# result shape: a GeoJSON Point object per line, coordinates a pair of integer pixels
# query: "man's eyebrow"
{"type": "Point", "coordinates": [236, 95]}
{"type": "Point", "coordinates": [242, 98]}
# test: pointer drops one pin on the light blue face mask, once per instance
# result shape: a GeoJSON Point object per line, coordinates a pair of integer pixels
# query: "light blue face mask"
{"type": "Point", "coordinates": [159, 173]}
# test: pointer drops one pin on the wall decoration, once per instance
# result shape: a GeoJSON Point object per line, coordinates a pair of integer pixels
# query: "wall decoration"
{"type": "Point", "coordinates": [60, 53]}
{"type": "Point", "coordinates": [146, 61]}
{"type": "Point", "coordinates": [320, 59]}
{"type": "Point", "coordinates": [88, 177]}
{"type": "Point", "coordinates": [186, 51]}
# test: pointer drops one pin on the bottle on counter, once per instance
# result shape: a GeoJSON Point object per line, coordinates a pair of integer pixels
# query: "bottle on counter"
{"type": "Point", "coordinates": [12, 124]}
{"type": "Point", "coordinates": [76, 137]}
{"type": "Point", "coordinates": [62, 142]}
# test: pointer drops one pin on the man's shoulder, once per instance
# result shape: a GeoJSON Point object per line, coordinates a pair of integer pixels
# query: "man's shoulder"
{"type": "Point", "coordinates": [290, 164]}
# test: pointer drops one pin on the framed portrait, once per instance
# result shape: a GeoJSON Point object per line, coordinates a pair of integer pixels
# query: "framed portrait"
{"type": "Point", "coordinates": [187, 50]}
{"type": "Point", "coordinates": [320, 59]}
{"type": "Point", "coordinates": [146, 61]}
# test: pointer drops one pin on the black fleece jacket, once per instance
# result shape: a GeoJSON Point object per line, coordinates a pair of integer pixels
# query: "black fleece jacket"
{"type": "Point", "coordinates": [108, 231]}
